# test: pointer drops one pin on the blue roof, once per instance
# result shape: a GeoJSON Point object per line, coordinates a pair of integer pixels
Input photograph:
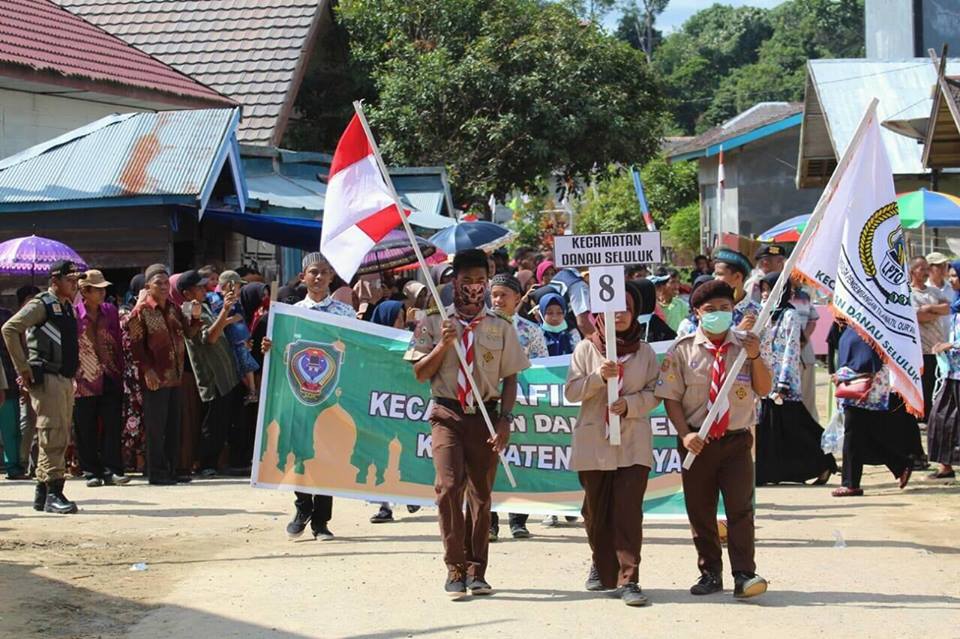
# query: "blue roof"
{"type": "Point", "coordinates": [759, 121]}
{"type": "Point", "coordinates": [171, 156]}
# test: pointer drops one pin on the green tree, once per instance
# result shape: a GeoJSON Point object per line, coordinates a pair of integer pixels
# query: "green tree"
{"type": "Point", "coordinates": [636, 24]}
{"type": "Point", "coordinates": [501, 92]}
{"type": "Point", "coordinates": [610, 204]}
{"type": "Point", "coordinates": [683, 228]}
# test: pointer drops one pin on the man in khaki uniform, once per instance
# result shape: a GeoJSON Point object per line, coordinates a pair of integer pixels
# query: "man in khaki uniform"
{"type": "Point", "coordinates": [464, 454]}
{"type": "Point", "coordinates": [47, 370]}
{"type": "Point", "coordinates": [690, 376]}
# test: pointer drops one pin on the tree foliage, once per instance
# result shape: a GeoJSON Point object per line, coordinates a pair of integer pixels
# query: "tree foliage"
{"type": "Point", "coordinates": [501, 92]}
{"type": "Point", "coordinates": [724, 59]}
{"type": "Point", "coordinates": [610, 204]}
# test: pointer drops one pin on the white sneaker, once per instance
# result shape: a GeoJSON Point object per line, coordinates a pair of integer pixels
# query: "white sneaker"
{"type": "Point", "coordinates": [550, 521]}
{"type": "Point", "coordinates": [121, 479]}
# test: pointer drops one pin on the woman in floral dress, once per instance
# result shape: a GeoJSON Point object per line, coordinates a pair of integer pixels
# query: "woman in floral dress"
{"type": "Point", "coordinates": [132, 437]}
{"type": "Point", "coordinates": [788, 438]}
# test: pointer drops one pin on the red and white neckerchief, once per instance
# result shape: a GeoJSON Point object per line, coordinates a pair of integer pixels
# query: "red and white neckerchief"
{"type": "Point", "coordinates": [464, 392]}
{"type": "Point", "coordinates": [620, 363]}
{"type": "Point", "coordinates": [717, 377]}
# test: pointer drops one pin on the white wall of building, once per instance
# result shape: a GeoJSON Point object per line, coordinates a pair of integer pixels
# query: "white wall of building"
{"type": "Point", "coordinates": [27, 119]}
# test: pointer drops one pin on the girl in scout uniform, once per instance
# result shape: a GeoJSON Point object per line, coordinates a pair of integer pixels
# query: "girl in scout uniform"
{"type": "Point", "coordinates": [690, 377]}
{"type": "Point", "coordinates": [614, 478]}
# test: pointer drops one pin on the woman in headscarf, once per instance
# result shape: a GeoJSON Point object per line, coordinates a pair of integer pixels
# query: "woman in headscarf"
{"type": "Point", "coordinates": [389, 313]}
{"type": "Point", "coordinates": [132, 436]}
{"type": "Point", "coordinates": [655, 327]}
{"type": "Point", "coordinates": [614, 478]}
{"type": "Point", "coordinates": [943, 429]}
{"type": "Point", "coordinates": [545, 272]}
{"type": "Point", "coordinates": [871, 432]}
{"type": "Point", "coordinates": [788, 438]}
{"type": "Point", "coordinates": [561, 340]}
{"type": "Point", "coordinates": [255, 304]}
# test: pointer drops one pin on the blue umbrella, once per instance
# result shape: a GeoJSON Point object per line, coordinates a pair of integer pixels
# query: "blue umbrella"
{"type": "Point", "coordinates": [472, 235]}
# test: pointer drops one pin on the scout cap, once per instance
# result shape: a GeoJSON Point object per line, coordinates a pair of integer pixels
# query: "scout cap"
{"type": "Point", "coordinates": [714, 289]}
{"type": "Point", "coordinates": [63, 267]}
{"type": "Point", "coordinates": [735, 260]}
{"type": "Point", "coordinates": [936, 258]}
{"type": "Point", "coordinates": [93, 278]}
{"type": "Point", "coordinates": [189, 279]}
{"type": "Point", "coordinates": [770, 250]}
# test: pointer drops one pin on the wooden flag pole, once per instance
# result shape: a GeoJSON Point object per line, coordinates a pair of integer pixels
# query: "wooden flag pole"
{"type": "Point", "coordinates": [358, 107]}
{"type": "Point", "coordinates": [777, 291]}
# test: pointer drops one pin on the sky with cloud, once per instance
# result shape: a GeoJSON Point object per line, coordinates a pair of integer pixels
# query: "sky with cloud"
{"type": "Point", "coordinates": [679, 10]}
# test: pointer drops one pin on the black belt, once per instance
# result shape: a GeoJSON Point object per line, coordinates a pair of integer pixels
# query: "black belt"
{"type": "Point", "coordinates": [454, 405]}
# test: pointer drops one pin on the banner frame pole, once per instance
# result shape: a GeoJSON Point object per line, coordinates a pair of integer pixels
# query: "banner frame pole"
{"type": "Point", "coordinates": [358, 107]}
{"type": "Point", "coordinates": [613, 392]}
{"type": "Point", "coordinates": [767, 310]}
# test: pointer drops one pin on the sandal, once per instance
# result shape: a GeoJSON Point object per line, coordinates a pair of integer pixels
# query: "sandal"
{"type": "Point", "coordinates": [940, 474]}
{"type": "Point", "coordinates": [844, 491]}
{"type": "Point", "coordinates": [905, 477]}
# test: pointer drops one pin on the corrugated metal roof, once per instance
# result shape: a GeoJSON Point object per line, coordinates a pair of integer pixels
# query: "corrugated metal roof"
{"type": "Point", "coordinates": [250, 50]}
{"type": "Point", "coordinates": [174, 153]}
{"type": "Point", "coordinates": [288, 192]}
{"type": "Point", "coordinates": [757, 116]}
{"type": "Point", "coordinates": [844, 88]}
{"type": "Point", "coordinates": [43, 37]}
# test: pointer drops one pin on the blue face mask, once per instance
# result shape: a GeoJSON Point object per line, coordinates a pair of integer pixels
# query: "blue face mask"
{"type": "Point", "coordinates": [550, 328]}
{"type": "Point", "coordinates": [717, 322]}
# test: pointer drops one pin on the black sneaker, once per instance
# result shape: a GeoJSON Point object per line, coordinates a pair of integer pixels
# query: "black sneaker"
{"type": "Point", "coordinates": [298, 524]}
{"type": "Point", "coordinates": [746, 585]}
{"type": "Point", "coordinates": [631, 595]}
{"type": "Point", "coordinates": [593, 583]}
{"type": "Point", "coordinates": [183, 479]}
{"type": "Point", "coordinates": [456, 587]}
{"type": "Point", "coordinates": [412, 509]}
{"type": "Point", "coordinates": [383, 516]}
{"type": "Point", "coordinates": [519, 532]}
{"type": "Point", "coordinates": [494, 534]}
{"type": "Point", "coordinates": [708, 584]}
{"type": "Point", "coordinates": [207, 473]}
{"type": "Point", "coordinates": [322, 533]}
{"type": "Point", "coordinates": [479, 587]}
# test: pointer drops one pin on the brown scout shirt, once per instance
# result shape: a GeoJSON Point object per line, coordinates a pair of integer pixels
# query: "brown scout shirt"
{"type": "Point", "coordinates": [591, 448]}
{"type": "Point", "coordinates": [685, 376]}
{"type": "Point", "coordinates": [497, 354]}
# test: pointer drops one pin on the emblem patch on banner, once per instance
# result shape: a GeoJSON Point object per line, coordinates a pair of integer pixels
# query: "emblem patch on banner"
{"type": "Point", "coordinates": [891, 252]}
{"type": "Point", "coordinates": [313, 370]}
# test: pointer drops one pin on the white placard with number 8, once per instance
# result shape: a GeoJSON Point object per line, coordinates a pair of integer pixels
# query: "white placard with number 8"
{"type": "Point", "coordinates": [607, 289]}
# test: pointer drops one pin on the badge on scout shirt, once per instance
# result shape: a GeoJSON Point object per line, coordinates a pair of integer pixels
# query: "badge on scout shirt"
{"type": "Point", "coordinates": [487, 357]}
{"type": "Point", "coordinates": [56, 308]}
{"type": "Point", "coordinates": [741, 393]}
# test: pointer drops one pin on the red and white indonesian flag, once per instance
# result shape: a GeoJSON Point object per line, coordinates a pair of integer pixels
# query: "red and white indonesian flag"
{"type": "Point", "coordinates": [856, 252]}
{"type": "Point", "coordinates": [359, 209]}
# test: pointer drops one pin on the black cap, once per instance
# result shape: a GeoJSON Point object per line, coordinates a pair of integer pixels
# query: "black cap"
{"type": "Point", "coordinates": [714, 289]}
{"type": "Point", "coordinates": [63, 267]}
{"type": "Point", "coordinates": [770, 250]}
{"type": "Point", "coordinates": [188, 279]}
{"type": "Point", "coordinates": [505, 279]}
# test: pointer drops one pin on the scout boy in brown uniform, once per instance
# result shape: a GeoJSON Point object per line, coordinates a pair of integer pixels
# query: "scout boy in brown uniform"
{"type": "Point", "coordinates": [690, 376]}
{"type": "Point", "coordinates": [464, 454]}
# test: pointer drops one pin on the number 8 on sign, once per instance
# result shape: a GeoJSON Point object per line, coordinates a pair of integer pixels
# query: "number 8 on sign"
{"type": "Point", "coordinates": [607, 289]}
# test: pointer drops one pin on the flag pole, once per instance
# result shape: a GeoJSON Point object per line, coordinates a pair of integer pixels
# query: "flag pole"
{"type": "Point", "coordinates": [764, 318]}
{"type": "Point", "coordinates": [358, 107]}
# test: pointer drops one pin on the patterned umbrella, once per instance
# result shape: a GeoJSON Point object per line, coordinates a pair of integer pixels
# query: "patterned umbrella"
{"type": "Point", "coordinates": [33, 255]}
{"type": "Point", "coordinates": [930, 208]}
{"type": "Point", "coordinates": [472, 235]}
{"type": "Point", "coordinates": [437, 258]}
{"type": "Point", "coordinates": [786, 231]}
{"type": "Point", "coordinates": [393, 251]}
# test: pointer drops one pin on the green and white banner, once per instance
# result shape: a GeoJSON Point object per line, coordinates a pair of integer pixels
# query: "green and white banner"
{"type": "Point", "coordinates": [342, 414]}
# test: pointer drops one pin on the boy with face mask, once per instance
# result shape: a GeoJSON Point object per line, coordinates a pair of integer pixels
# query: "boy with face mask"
{"type": "Point", "coordinates": [464, 454]}
{"type": "Point", "coordinates": [690, 376]}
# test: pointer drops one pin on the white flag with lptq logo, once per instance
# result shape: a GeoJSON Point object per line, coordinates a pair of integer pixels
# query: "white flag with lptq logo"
{"type": "Point", "coordinates": [857, 253]}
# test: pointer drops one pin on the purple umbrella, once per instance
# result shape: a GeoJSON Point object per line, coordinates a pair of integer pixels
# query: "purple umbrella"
{"type": "Point", "coordinates": [393, 251]}
{"type": "Point", "coordinates": [32, 255]}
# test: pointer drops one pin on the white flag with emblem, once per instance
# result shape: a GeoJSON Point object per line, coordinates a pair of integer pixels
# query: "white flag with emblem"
{"type": "Point", "coordinates": [857, 253]}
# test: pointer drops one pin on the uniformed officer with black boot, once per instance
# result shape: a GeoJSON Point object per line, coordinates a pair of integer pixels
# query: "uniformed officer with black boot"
{"type": "Point", "coordinates": [47, 370]}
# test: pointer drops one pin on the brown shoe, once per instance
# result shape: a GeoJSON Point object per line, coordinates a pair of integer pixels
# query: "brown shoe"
{"type": "Point", "coordinates": [843, 491]}
{"type": "Point", "coordinates": [905, 477]}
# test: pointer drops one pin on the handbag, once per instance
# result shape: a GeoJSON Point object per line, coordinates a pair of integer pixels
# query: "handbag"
{"type": "Point", "coordinates": [856, 389]}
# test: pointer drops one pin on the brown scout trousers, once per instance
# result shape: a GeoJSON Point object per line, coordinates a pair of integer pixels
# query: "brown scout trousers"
{"type": "Point", "coordinates": [613, 515]}
{"type": "Point", "coordinates": [52, 400]}
{"type": "Point", "coordinates": [465, 467]}
{"type": "Point", "coordinates": [724, 467]}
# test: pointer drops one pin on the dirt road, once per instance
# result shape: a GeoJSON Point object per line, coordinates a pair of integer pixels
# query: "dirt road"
{"type": "Point", "coordinates": [218, 565]}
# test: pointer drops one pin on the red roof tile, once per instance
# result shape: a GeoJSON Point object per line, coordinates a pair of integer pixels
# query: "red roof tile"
{"type": "Point", "coordinates": [40, 35]}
